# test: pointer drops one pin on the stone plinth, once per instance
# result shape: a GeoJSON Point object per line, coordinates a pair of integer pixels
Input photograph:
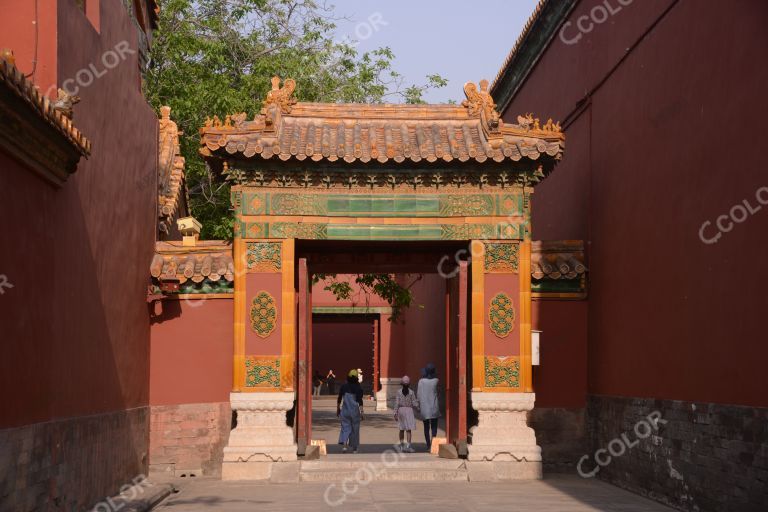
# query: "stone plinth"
{"type": "Point", "coordinates": [503, 435]}
{"type": "Point", "coordinates": [385, 397]}
{"type": "Point", "coordinates": [261, 436]}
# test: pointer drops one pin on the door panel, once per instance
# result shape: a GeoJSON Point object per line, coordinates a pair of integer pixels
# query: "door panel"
{"type": "Point", "coordinates": [456, 356]}
{"type": "Point", "coordinates": [304, 359]}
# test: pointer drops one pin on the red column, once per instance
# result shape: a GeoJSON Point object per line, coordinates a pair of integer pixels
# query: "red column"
{"type": "Point", "coordinates": [376, 383]}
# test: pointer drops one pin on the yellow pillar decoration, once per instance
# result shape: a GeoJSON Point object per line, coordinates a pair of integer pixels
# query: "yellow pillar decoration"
{"type": "Point", "coordinates": [524, 265]}
{"type": "Point", "coordinates": [289, 316]}
{"type": "Point", "coordinates": [238, 369]}
{"type": "Point", "coordinates": [478, 315]}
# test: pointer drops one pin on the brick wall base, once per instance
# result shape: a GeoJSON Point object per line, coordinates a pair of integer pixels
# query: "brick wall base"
{"type": "Point", "coordinates": [74, 463]}
{"type": "Point", "coordinates": [562, 435]}
{"type": "Point", "coordinates": [706, 457]}
{"type": "Point", "coordinates": [189, 439]}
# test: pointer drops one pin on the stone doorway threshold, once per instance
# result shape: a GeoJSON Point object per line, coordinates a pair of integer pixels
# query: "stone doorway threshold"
{"type": "Point", "coordinates": [366, 468]}
{"type": "Point", "coordinates": [391, 467]}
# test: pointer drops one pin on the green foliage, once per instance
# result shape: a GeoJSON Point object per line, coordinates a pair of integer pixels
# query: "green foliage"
{"type": "Point", "coordinates": [216, 57]}
{"type": "Point", "coordinates": [386, 286]}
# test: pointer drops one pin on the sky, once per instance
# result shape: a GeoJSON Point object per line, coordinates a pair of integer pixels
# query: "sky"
{"type": "Point", "coordinates": [458, 39]}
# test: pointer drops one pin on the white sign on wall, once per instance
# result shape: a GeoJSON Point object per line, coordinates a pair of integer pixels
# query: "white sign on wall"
{"type": "Point", "coordinates": [535, 338]}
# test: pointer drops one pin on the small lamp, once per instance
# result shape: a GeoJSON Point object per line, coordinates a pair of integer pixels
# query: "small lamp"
{"type": "Point", "coordinates": [189, 227]}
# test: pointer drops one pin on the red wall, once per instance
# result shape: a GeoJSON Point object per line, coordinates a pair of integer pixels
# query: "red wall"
{"type": "Point", "coordinates": [662, 147]}
{"type": "Point", "coordinates": [17, 33]}
{"type": "Point", "coordinates": [191, 355]}
{"type": "Point", "coordinates": [417, 338]}
{"type": "Point", "coordinates": [561, 378]}
{"type": "Point", "coordinates": [75, 325]}
{"type": "Point", "coordinates": [341, 345]}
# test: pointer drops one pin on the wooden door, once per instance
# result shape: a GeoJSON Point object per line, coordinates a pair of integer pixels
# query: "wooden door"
{"type": "Point", "coordinates": [304, 359]}
{"type": "Point", "coordinates": [457, 300]}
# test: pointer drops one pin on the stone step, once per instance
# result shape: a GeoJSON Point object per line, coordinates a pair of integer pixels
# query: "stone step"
{"type": "Point", "coordinates": [351, 463]}
{"type": "Point", "coordinates": [384, 474]}
{"type": "Point", "coordinates": [411, 468]}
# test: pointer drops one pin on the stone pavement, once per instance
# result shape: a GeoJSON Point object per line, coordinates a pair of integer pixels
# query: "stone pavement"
{"type": "Point", "coordinates": [558, 493]}
{"type": "Point", "coordinates": [553, 494]}
{"type": "Point", "coordinates": [378, 432]}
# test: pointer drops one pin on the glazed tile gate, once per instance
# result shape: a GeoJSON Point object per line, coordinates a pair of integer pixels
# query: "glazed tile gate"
{"type": "Point", "coordinates": [348, 172]}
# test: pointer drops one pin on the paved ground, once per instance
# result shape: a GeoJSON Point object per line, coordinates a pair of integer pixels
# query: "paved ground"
{"type": "Point", "coordinates": [556, 493]}
{"type": "Point", "coordinates": [553, 494]}
{"type": "Point", "coordinates": [378, 432]}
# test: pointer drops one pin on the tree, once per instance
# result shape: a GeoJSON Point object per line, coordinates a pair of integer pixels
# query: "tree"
{"type": "Point", "coordinates": [216, 57]}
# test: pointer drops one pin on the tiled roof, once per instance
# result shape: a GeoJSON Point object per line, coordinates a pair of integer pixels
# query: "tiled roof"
{"type": "Point", "coordinates": [24, 90]}
{"type": "Point", "coordinates": [351, 133]}
{"type": "Point", "coordinates": [523, 34]}
{"type": "Point", "coordinates": [209, 259]}
{"type": "Point", "coordinates": [172, 190]}
{"type": "Point", "coordinates": [540, 29]}
{"type": "Point", "coordinates": [557, 260]}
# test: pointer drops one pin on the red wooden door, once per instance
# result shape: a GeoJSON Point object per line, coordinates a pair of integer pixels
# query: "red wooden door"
{"type": "Point", "coordinates": [456, 304]}
{"type": "Point", "coordinates": [304, 359]}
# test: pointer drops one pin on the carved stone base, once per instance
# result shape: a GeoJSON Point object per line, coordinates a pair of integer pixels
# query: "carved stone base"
{"type": "Point", "coordinates": [261, 434]}
{"type": "Point", "coordinates": [502, 433]}
{"type": "Point", "coordinates": [385, 397]}
{"type": "Point", "coordinates": [487, 471]}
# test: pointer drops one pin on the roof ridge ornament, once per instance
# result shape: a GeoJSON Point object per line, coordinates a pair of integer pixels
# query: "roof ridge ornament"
{"type": "Point", "coordinates": [530, 123]}
{"type": "Point", "coordinates": [171, 189]}
{"type": "Point", "coordinates": [282, 97]}
{"type": "Point", "coordinates": [480, 103]}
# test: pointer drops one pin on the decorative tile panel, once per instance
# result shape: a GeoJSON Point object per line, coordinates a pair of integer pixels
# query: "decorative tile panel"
{"type": "Point", "coordinates": [264, 256]}
{"type": "Point", "coordinates": [378, 231]}
{"type": "Point", "coordinates": [297, 204]}
{"type": "Point", "coordinates": [502, 372]}
{"type": "Point", "coordinates": [252, 201]}
{"type": "Point", "coordinates": [501, 315]}
{"type": "Point", "coordinates": [262, 372]}
{"type": "Point", "coordinates": [263, 314]}
{"type": "Point", "coordinates": [470, 204]}
{"type": "Point", "coordinates": [305, 230]}
{"type": "Point", "coordinates": [501, 258]}
{"type": "Point", "coordinates": [236, 197]}
{"type": "Point", "coordinates": [468, 231]}
{"type": "Point", "coordinates": [510, 204]}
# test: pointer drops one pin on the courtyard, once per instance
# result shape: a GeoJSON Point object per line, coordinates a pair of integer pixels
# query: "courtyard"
{"type": "Point", "coordinates": [553, 494]}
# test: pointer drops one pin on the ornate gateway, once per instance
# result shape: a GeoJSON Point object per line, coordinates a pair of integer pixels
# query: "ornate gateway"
{"type": "Point", "coordinates": [351, 172]}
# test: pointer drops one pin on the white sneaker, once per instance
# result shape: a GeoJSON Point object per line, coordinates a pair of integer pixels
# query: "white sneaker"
{"type": "Point", "coordinates": [344, 449]}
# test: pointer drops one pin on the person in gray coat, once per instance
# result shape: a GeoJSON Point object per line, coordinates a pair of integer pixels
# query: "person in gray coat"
{"type": "Point", "coordinates": [427, 393]}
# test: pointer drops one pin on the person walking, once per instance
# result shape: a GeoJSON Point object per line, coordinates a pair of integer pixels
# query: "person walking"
{"type": "Point", "coordinates": [349, 409]}
{"type": "Point", "coordinates": [405, 402]}
{"type": "Point", "coordinates": [317, 383]}
{"type": "Point", "coordinates": [427, 392]}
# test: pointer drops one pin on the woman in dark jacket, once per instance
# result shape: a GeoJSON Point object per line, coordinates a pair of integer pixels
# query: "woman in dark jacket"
{"type": "Point", "coordinates": [349, 408]}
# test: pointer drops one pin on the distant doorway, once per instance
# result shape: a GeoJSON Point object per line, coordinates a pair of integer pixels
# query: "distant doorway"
{"type": "Point", "coordinates": [433, 330]}
{"type": "Point", "coordinates": [341, 342]}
